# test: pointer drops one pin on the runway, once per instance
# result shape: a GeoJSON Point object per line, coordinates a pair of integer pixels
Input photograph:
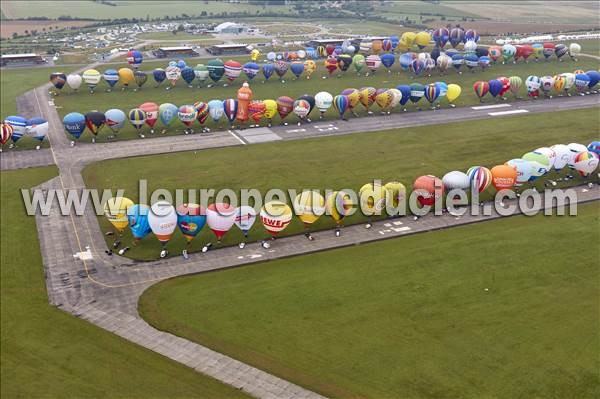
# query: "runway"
{"type": "Point", "coordinates": [83, 280]}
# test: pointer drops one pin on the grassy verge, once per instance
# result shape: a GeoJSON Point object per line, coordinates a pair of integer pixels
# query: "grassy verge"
{"type": "Point", "coordinates": [84, 102]}
{"type": "Point", "coordinates": [455, 313]}
{"type": "Point", "coordinates": [336, 162]}
{"type": "Point", "coordinates": [48, 353]}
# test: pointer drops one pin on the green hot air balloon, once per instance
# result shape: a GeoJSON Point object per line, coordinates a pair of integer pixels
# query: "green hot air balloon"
{"type": "Point", "coordinates": [359, 62]}
{"type": "Point", "coordinates": [216, 69]}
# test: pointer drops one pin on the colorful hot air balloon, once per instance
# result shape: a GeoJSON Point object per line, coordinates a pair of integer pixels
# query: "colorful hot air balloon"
{"type": "Point", "coordinates": [471, 35]}
{"type": "Point", "coordinates": [338, 204]}
{"type": "Point", "coordinates": [173, 74]}
{"type": "Point", "coordinates": [523, 168]}
{"type": "Point", "coordinates": [548, 50]}
{"type": "Point", "coordinates": [187, 115]}
{"type": "Point", "coordinates": [359, 61]}
{"type": "Point", "coordinates": [495, 87]}
{"type": "Point", "coordinates": [216, 110]}
{"type": "Point", "coordinates": [135, 58]}
{"type": "Point", "coordinates": [429, 189]}
{"type": "Point", "coordinates": [244, 96]}
{"type": "Point", "coordinates": [285, 105]}
{"type": "Point", "coordinates": [560, 50]}
{"type": "Point", "coordinates": [190, 220]}
{"type": "Point", "coordinates": [503, 177]}
{"type": "Point", "coordinates": [163, 221]}
{"type": "Point", "coordinates": [58, 80]}
{"type": "Point", "coordinates": [574, 50]}
{"type": "Point", "coordinates": [432, 92]}
{"type": "Point", "coordinates": [508, 52]}
{"type": "Point", "coordinates": [309, 206]}
{"type": "Point", "coordinates": [137, 217]}
{"type": "Point", "coordinates": [37, 128]}
{"type": "Point", "coordinates": [480, 176]}
{"type": "Point", "coordinates": [230, 107]}
{"type": "Point", "coordinates": [297, 67]}
{"type": "Point", "coordinates": [582, 81]}
{"type": "Point", "coordinates": [549, 154]}
{"type": "Point", "coordinates": [373, 62]}
{"type": "Point", "coordinates": [152, 110]}
{"type": "Point", "coordinates": [6, 132]}
{"type": "Point", "coordinates": [457, 61]}
{"type": "Point", "coordinates": [91, 77]}
{"type": "Point", "coordinates": [540, 164]}
{"type": "Point", "coordinates": [167, 113]}
{"type": "Point", "coordinates": [563, 155]}
{"type": "Point", "coordinates": [201, 112]}
{"type": "Point", "coordinates": [245, 216]}
{"type": "Point", "coordinates": [159, 75]}
{"type": "Point", "coordinates": [585, 163]}
{"type": "Point", "coordinates": [275, 217]}
{"type": "Point", "coordinates": [216, 69]}
{"type": "Point", "coordinates": [137, 118]}
{"type": "Point", "coordinates": [201, 73]}
{"type": "Point", "coordinates": [281, 67]}
{"type": "Point", "coordinates": [188, 75]}
{"type": "Point", "coordinates": [515, 84]}
{"type": "Point", "coordinates": [417, 91]}
{"type": "Point", "coordinates": [115, 119]}
{"type": "Point", "coordinates": [140, 78]}
{"type": "Point", "coordinates": [18, 125]}
{"type": "Point", "coordinates": [111, 77]}
{"type": "Point", "coordinates": [74, 124]}
{"type": "Point", "coordinates": [387, 60]}
{"type": "Point", "coordinates": [251, 69]}
{"type": "Point", "coordinates": [440, 37]}
{"type": "Point", "coordinates": [456, 36]}
{"type": "Point", "coordinates": [309, 67]}
{"type": "Point", "coordinates": [323, 101]}
{"type": "Point", "coordinates": [340, 103]}
{"type": "Point", "coordinates": [95, 121]}
{"type": "Point", "coordinates": [533, 84]}
{"type": "Point", "coordinates": [115, 211]}
{"type": "Point", "coordinates": [256, 110]}
{"type": "Point", "coordinates": [593, 147]}
{"type": "Point", "coordinates": [220, 218]}
{"type": "Point", "coordinates": [547, 84]}
{"type": "Point", "coordinates": [268, 70]}
{"type": "Point", "coordinates": [456, 180]}
{"type": "Point", "coordinates": [233, 69]}
{"type": "Point", "coordinates": [422, 39]}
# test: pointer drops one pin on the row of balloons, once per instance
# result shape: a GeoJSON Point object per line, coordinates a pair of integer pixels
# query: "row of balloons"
{"type": "Point", "coordinates": [244, 107]}
{"type": "Point", "coordinates": [15, 127]}
{"type": "Point", "coordinates": [162, 218]}
{"type": "Point", "coordinates": [562, 82]}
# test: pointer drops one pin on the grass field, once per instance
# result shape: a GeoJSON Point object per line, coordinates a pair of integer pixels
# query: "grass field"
{"type": "Point", "coordinates": [336, 163]}
{"type": "Point", "coordinates": [170, 36]}
{"type": "Point", "coordinates": [48, 353]}
{"type": "Point", "coordinates": [455, 313]}
{"type": "Point", "coordinates": [181, 94]}
{"type": "Point", "coordinates": [127, 9]}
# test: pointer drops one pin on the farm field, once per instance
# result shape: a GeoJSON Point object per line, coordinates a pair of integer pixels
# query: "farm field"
{"type": "Point", "coordinates": [181, 94]}
{"type": "Point", "coordinates": [453, 313]}
{"type": "Point", "coordinates": [49, 353]}
{"type": "Point", "coordinates": [7, 28]}
{"type": "Point", "coordinates": [334, 163]}
{"type": "Point", "coordinates": [126, 9]}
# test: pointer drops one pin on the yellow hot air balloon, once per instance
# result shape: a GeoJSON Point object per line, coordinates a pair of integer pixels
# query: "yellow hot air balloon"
{"type": "Point", "coordinates": [376, 46]}
{"type": "Point", "coordinates": [338, 205]}
{"type": "Point", "coordinates": [275, 216]}
{"type": "Point", "coordinates": [115, 210]}
{"type": "Point", "coordinates": [126, 76]}
{"type": "Point", "coordinates": [371, 199]}
{"type": "Point", "coordinates": [422, 39]}
{"type": "Point", "coordinates": [309, 206]}
{"type": "Point", "coordinates": [406, 40]}
{"type": "Point", "coordinates": [309, 67]}
{"type": "Point", "coordinates": [395, 195]}
{"type": "Point", "coordinates": [270, 110]}
{"type": "Point", "coordinates": [254, 54]}
{"type": "Point", "coordinates": [453, 92]}
{"type": "Point", "coordinates": [384, 100]}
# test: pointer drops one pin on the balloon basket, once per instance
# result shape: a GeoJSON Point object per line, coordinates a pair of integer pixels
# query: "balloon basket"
{"type": "Point", "coordinates": [37, 147]}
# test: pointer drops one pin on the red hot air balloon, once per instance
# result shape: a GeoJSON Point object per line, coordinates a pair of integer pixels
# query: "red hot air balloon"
{"type": "Point", "coordinates": [330, 48]}
{"type": "Point", "coordinates": [429, 189]}
{"type": "Point", "coordinates": [505, 85]}
{"type": "Point", "coordinates": [220, 218]}
{"type": "Point", "coordinates": [331, 64]}
{"type": "Point", "coordinates": [151, 110]}
{"type": "Point", "coordinates": [285, 105]}
{"type": "Point", "coordinates": [481, 88]}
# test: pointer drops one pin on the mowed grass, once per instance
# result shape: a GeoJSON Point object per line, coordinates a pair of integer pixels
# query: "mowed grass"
{"type": "Point", "coordinates": [505, 308]}
{"type": "Point", "coordinates": [181, 94]}
{"type": "Point", "coordinates": [48, 353]}
{"type": "Point", "coordinates": [335, 163]}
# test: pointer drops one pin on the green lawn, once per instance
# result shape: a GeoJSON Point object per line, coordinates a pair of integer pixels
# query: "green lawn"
{"type": "Point", "coordinates": [48, 353]}
{"type": "Point", "coordinates": [506, 308]}
{"type": "Point", "coordinates": [181, 94]}
{"type": "Point", "coordinates": [335, 163]}
{"type": "Point", "coordinates": [170, 36]}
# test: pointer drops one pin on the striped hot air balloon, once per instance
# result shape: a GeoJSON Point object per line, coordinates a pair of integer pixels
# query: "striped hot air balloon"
{"type": "Point", "coordinates": [480, 177]}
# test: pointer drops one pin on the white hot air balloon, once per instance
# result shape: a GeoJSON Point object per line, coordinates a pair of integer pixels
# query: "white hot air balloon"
{"type": "Point", "coordinates": [220, 218]}
{"type": "Point", "coordinates": [323, 101]}
{"type": "Point", "coordinates": [574, 50]}
{"type": "Point", "coordinates": [563, 155]}
{"type": "Point", "coordinates": [574, 149]}
{"type": "Point", "coordinates": [163, 221]}
{"type": "Point", "coordinates": [523, 169]}
{"type": "Point", "coordinates": [549, 153]}
{"type": "Point", "coordinates": [245, 216]}
{"type": "Point", "coordinates": [74, 81]}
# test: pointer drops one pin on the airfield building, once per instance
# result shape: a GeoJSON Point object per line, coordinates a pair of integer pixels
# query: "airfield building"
{"type": "Point", "coordinates": [220, 49]}
{"type": "Point", "coordinates": [230, 28]}
{"type": "Point", "coordinates": [21, 59]}
{"type": "Point", "coordinates": [167, 52]}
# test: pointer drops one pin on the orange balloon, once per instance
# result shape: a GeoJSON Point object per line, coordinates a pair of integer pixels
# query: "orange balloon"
{"type": "Point", "coordinates": [376, 46]}
{"type": "Point", "coordinates": [244, 96]}
{"type": "Point", "coordinates": [503, 176]}
{"type": "Point", "coordinates": [430, 189]}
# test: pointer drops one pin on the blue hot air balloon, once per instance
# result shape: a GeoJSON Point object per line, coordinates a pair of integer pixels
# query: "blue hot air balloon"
{"type": "Point", "coordinates": [594, 147]}
{"type": "Point", "coordinates": [495, 87]}
{"type": "Point", "coordinates": [432, 92]}
{"type": "Point", "coordinates": [167, 113]}
{"type": "Point", "coordinates": [297, 68]}
{"type": "Point", "coordinates": [230, 106]}
{"type": "Point", "coordinates": [440, 37]}
{"type": "Point", "coordinates": [311, 52]}
{"type": "Point", "coordinates": [135, 58]}
{"type": "Point", "coordinates": [216, 109]}
{"type": "Point", "coordinates": [137, 216]}
{"type": "Point", "coordinates": [387, 60]}
{"type": "Point", "coordinates": [191, 218]}
{"type": "Point", "coordinates": [582, 81]}
{"type": "Point", "coordinates": [417, 91]}
{"type": "Point", "coordinates": [435, 53]}
{"type": "Point", "coordinates": [115, 119]}
{"type": "Point", "coordinates": [188, 75]}
{"type": "Point", "coordinates": [37, 127]}
{"type": "Point", "coordinates": [484, 61]}
{"type": "Point", "coordinates": [159, 76]}
{"type": "Point", "coordinates": [471, 61]}
{"type": "Point", "coordinates": [594, 78]}
{"type": "Point", "coordinates": [181, 64]}
{"type": "Point", "coordinates": [19, 125]}
{"type": "Point", "coordinates": [268, 70]}
{"type": "Point", "coordinates": [74, 124]}
{"type": "Point", "coordinates": [417, 66]}
{"type": "Point", "coordinates": [251, 70]}
{"type": "Point", "coordinates": [457, 60]}
{"type": "Point", "coordinates": [405, 90]}
{"type": "Point", "coordinates": [481, 51]}
{"type": "Point", "coordinates": [395, 40]}
{"type": "Point", "coordinates": [111, 76]}
{"type": "Point", "coordinates": [443, 88]}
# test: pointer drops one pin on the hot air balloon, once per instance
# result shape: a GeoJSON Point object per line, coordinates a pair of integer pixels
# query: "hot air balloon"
{"type": "Point", "coordinates": [432, 92]}
{"type": "Point", "coordinates": [526, 51]}
{"type": "Point", "coordinates": [115, 211]}
{"type": "Point", "coordinates": [285, 105]}
{"type": "Point", "coordinates": [495, 87]}
{"type": "Point", "coordinates": [471, 35]}
{"type": "Point", "coordinates": [456, 180]}
{"type": "Point", "coordinates": [344, 61]}
{"type": "Point", "coordinates": [309, 206]}
{"type": "Point", "coordinates": [275, 217]}
{"type": "Point", "coordinates": [456, 36]}
{"type": "Point", "coordinates": [515, 84]}
{"type": "Point", "coordinates": [582, 81]}
{"type": "Point", "coordinates": [429, 189]}
{"type": "Point", "coordinates": [484, 62]}
{"type": "Point", "coordinates": [37, 128]}
{"type": "Point", "coordinates": [111, 77]}
{"type": "Point", "coordinates": [151, 109]}
{"type": "Point", "coordinates": [95, 121]}
{"type": "Point", "coordinates": [19, 126]}
{"type": "Point", "coordinates": [230, 107]}
{"type": "Point", "coordinates": [453, 93]}
{"type": "Point", "coordinates": [137, 118]}
{"type": "Point", "coordinates": [594, 78]}
{"type": "Point", "coordinates": [508, 52]}
{"type": "Point", "coordinates": [503, 177]}
{"type": "Point", "coordinates": [244, 96]}
{"type": "Point", "coordinates": [480, 176]}
{"type": "Point", "coordinates": [470, 47]}
{"type": "Point", "coordinates": [457, 61]}
{"type": "Point", "coordinates": [91, 77]}
{"type": "Point", "coordinates": [538, 50]}
{"type": "Point", "coordinates": [190, 220]}
{"type": "Point", "coordinates": [167, 113]}
{"type": "Point", "coordinates": [301, 109]}
{"type": "Point", "coordinates": [163, 221]}
{"type": "Point", "coordinates": [394, 198]}
{"type": "Point", "coordinates": [547, 84]}
{"type": "Point", "coordinates": [115, 119]}
{"type": "Point", "coordinates": [216, 69]}
{"type": "Point", "coordinates": [569, 81]}
{"type": "Point", "coordinates": [443, 62]}
{"type": "Point", "coordinates": [74, 81]}
{"type": "Point", "coordinates": [6, 132]}
{"type": "Point", "coordinates": [417, 91]}
{"type": "Point", "coordinates": [383, 98]}
{"type": "Point", "coordinates": [540, 164]}
{"type": "Point", "coordinates": [309, 67]}
{"type": "Point", "coordinates": [549, 154]}
{"type": "Point", "coordinates": [281, 67]}
{"type": "Point", "coordinates": [270, 110]}
{"type": "Point", "coordinates": [256, 110]}
{"type": "Point", "coordinates": [323, 101]}
{"type": "Point", "coordinates": [135, 58]}
{"type": "Point", "coordinates": [251, 69]}
{"type": "Point", "coordinates": [330, 64]}
{"type": "Point", "coordinates": [254, 54]}
{"type": "Point", "coordinates": [481, 88]}
{"type": "Point", "coordinates": [359, 62]}
{"type": "Point", "coordinates": [58, 80]}
{"type": "Point", "coordinates": [187, 115]}
{"type": "Point", "coordinates": [173, 73]}
{"type": "Point", "coordinates": [387, 60]}
{"type": "Point", "coordinates": [560, 50]}
{"type": "Point", "coordinates": [140, 78]}
{"type": "Point", "coordinates": [371, 200]}
{"type": "Point", "coordinates": [268, 70]}
{"type": "Point", "coordinates": [220, 218]}
{"type": "Point", "coordinates": [297, 68]}
{"type": "Point", "coordinates": [593, 147]}
{"type": "Point", "coordinates": [574, 50]}
{"type": "Point", "coordinates": [126, 76]}
{"type": "Point", "coordinates": [585, 163]}
{"type": "Point", "coordinates": [340, 103]}
{"type": "Point", "coordinates": [74, 124]}
{"type": "Point", "coordinates": [201, 113]}
{"type": "Point", "coordinates": [338, 204]}
{"type": "Point", "coordinates": [495, 52]}
{"type": "Point", "coordinates": [563, 156]}
{"type": "Point", "coordinates": [201, 73]}
{"type": "Point", "coordinates": [137, 217]}
{"type": "Point", "coordinates": [523, 168]}
{"type": "Point", "coordinates": [188, 75]}
{"type": "Point", "coordinates": [440, 37]}
{"type": "Point", "coordinates": [574, 149]}
{"type": "Point", "coordinates": [422, 39]}
{"type": "Point", "coordinates": [245, 216]}
{"type": "Point", "coordinates": [373, 62]}
{"type": "Point", "coordinates": [533, 84]}
{"type": "Point", "coordinates": [233, 69]}
{"type": "Point", "coordinates": [216, 110]}
{"type": "Point", "coordinates": [548, 50]}
{"type": "Point", "coordinates": [159, 75]}
{"type": "Point", "coordinates": [505, 85]}
{"type": "Point", "coordinates": [471, 61]}
{"type": "Point", "coordinates": [367, 97]}
{"type": "Point", "coordinates": [396, 97]}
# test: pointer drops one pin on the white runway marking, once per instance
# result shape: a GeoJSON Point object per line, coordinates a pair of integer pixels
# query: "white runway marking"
{"type": "Point", "coordinates": [479, 107]}
{"type": "Point", "coordinates": [516, 111]}
{"type": "Point", "coordinates": [237, 137]}
{"type": "Point", "coordinates": [296, 130]}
